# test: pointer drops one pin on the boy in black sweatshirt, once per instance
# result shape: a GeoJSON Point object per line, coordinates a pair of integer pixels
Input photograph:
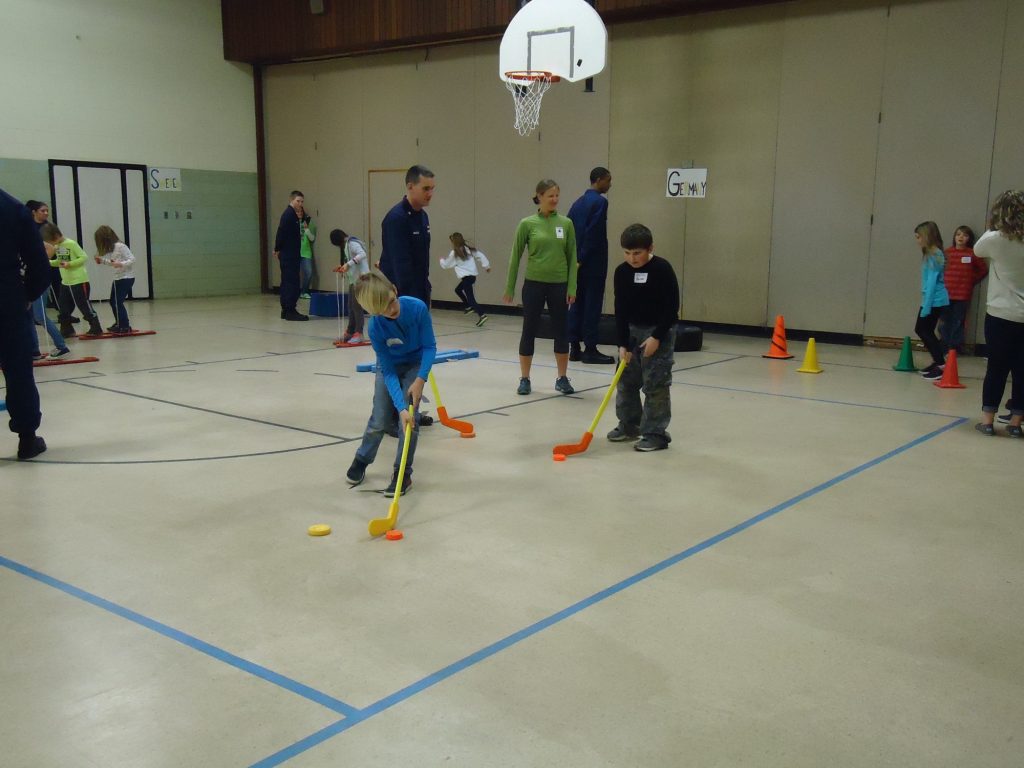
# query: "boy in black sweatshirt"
{"type": "Point", "coordinates": [646, 310]}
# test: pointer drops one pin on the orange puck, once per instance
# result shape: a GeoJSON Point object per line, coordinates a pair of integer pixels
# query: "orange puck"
{"type": "Point", "coordinates": [558, 457]}
{"type": "Point", "coordinates": [393, 535]}
{"type": "Point", "coordinates": [465, 434]}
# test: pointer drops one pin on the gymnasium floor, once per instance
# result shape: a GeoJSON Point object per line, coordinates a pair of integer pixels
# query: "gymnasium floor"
{"type": "Point", "coordinates": [821, 571]}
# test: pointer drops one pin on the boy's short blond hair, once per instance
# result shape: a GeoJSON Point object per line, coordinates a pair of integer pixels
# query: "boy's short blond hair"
{"type": "Point", "coordinates": [374, 292]}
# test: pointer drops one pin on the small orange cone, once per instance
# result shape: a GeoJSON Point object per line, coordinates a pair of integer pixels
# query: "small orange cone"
{"type": "Point", "coordinates": [950, 374]}
{"type": "Point", "coordinates": [810, 359]}
{"type": "Point", "coordinates": [777, 351]}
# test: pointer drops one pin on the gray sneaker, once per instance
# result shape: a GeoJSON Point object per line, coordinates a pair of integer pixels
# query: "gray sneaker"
{"type": "Point", "coordinates": [562, 385]}
{"type": "Point", "coordinates": [647, 444]}
{"type": "Point", "coordinates": [524, 387]}
{"type": "Point", "coordinates": [619, 435]}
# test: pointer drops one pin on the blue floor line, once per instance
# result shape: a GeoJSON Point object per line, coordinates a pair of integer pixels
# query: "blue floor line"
{"type": "Point", "coordinates": [484, 653]}
{"type": "Point", "coordinates": [194, 643]}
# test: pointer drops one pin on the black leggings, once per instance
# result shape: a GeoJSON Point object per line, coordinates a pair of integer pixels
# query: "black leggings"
{"type": "Point", "coordinates": [1004, 342]}
{"type": "Point", "coordinates": [464, 290]}
{"type": "Point", "coordinates": [925, 330]}
{"type": "Point", "coordinates": [535, 295]}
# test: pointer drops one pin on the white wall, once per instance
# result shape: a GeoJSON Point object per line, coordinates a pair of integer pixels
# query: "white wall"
{"type": "Point", "coordinates": [133, 81]}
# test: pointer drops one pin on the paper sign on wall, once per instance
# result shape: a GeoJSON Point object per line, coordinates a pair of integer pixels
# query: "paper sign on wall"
{"type": "Point", "coordinates": [165, 179]}
{"type": "Point", "coordinates": [687, 182]}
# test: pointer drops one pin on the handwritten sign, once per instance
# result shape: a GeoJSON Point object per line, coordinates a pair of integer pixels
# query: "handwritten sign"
{"type": "Point", "coordinates": [687, 182]}
{"type": "Point", "coordinates": [165, 179]}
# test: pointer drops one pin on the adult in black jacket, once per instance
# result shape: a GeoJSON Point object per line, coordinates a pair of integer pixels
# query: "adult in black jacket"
{"type": "Point", "coordinates": [287, 245]}
{"type": "Point", "coordinates": [24, 275]}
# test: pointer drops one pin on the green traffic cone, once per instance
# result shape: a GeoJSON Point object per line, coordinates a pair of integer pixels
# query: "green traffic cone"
{"type": "Point", "coordinates": [906, 362]}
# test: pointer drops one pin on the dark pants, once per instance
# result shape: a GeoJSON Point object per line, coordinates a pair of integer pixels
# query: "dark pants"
{"type": "Point", "coordinates": [72, 296]}
{"type": "Point", "coordinates": [17, 338]}
{"type": "Point", "coordinates": [383, 418]}
{"type": "Point", "coordinates": [585, 313]}
{"type": "Point", "coordinates": [953, 319]}
{"type": "Point", "coordinates": [535, 296]}
{"type": "Point", "coordinates": [925, 330]}
{"type": "Point", "coordinates": [289, 282]}
{"type": "Point", "coordinates": [355, 312]}
{"type": "Point", "coordinates": [652, 376]}
{"type": "Point", "coordinates": [1004, 341]}
{"type": "Point", "coordinates": [464, 290]}
{"type": "Point", "coordinates": [119, 291]}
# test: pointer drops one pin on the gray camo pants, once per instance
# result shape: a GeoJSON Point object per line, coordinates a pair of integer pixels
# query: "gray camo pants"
{"type": "Point", "coordinates": [652, 376]}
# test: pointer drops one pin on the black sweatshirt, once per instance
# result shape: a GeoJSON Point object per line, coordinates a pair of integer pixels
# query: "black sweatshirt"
{"type": "Point", "coordinates": [646, 296]}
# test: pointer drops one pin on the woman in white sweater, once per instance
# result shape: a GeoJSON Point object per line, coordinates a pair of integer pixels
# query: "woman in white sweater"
{"type": "Point", "coordinates": [111, 251]}
{"type": "Point", "coordinates": [463, 257]}
{"type": "Point", "coordinates": [1003, 247]}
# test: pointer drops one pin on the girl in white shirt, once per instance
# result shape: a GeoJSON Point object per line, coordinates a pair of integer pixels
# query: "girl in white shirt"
{"type": "Point", "coordinates": [1003, 247]}
{"type": "Point", "coordinates": [111, 251]}
{"type": "Point", "coordinates": [463, 257]}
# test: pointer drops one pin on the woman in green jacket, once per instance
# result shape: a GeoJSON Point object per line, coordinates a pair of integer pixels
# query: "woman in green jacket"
{"type": "Point", "coordinates": [550, 243]}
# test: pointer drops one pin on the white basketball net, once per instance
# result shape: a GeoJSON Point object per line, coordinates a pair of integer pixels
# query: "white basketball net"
{"type": "Point", "coordinates": [527, 89]}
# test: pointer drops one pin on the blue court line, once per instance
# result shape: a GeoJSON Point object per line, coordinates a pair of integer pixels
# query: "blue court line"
{"type": "Point", "coordinates": [194, 643]}
{"type": "Point", "coordinates": [494, 648]}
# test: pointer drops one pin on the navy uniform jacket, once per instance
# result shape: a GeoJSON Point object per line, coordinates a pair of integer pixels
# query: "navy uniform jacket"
{"type": "Point", "coordinates": [288, 239]}
{"type": "Point", "coordinates": [24, 267]}
{"type": "Point", "coordinates": [405, 257]}
{"type": "Point", "coordinates": [589, 216]}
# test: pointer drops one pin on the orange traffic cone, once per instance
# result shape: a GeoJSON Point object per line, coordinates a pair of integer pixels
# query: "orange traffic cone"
{"type": "Point", "coordinates": [777, 351]}
{"type": "Point", "coordinates": [950, 375]}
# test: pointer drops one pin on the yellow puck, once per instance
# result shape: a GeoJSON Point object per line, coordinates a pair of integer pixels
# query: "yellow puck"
{"type": "Point", "coordinates": [319, 530]}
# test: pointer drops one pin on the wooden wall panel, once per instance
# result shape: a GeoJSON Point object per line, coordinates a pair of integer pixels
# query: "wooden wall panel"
{"type": "Point", "coordinates": [280, 31]}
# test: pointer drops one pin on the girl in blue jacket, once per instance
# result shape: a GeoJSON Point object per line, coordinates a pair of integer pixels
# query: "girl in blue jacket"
{"type": "Point", "coordinates": [933, 294]}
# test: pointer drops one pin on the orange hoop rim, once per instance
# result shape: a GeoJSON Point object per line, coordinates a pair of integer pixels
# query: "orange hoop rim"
{"type": "Point", "coordinates": [531, 75]}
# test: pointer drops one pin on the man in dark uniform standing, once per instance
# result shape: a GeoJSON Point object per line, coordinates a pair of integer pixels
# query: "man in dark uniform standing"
{"type": "Point", "coordinates": [405, 235]}
{"type": "Point", "coordinates": [589, 216]}
{"type": "Point", "coordinates": [287, 250]}
{"type": "Point", "coordinates": [24, 275]}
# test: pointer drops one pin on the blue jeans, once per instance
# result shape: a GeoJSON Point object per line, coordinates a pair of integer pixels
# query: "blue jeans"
{"type": "Point", "coordinates": [39, 312]}
{"type": "Point", "coordinates": [119, 291]}
{"type": "Point", "coordinates": [384, 418]}
{"type": "Point", "coordinates": [306, 266]}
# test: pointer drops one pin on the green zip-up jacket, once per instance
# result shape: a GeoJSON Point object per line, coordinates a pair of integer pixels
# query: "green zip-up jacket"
{"type": "Point", "coordinates": [71, 252]}
{"type": "Point", "coordinates": [550, 243]}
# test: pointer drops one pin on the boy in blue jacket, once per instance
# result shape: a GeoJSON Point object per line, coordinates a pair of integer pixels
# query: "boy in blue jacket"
{"type": "Point", "coordinates": [403, 338]}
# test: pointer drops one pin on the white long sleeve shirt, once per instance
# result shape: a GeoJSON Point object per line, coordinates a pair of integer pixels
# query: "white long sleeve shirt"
{"type": "Point", "coordinates": [122, 260]}
{"type": "Point", "coordinates": [357, 260]}
{"type": "Point", "coordinates": [465, 267]}
{"type": "Point", "coordinates": [1005, 275]}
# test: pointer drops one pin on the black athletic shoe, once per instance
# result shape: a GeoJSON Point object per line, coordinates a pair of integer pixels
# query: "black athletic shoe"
{"type": "Point", "coordinates": [596, 357]}
{"type": "Point", "coordinates": [356, 473]}
{"type": "Point", "coordinates": [1004, 418]}
{"type": "Point", "coordinates": [524, 387]}
{"type": "Point", "coordinates": [30, 446]}
{"type": "Point", "coordinates": [406, 483]}
{"type": "Point", "coordinates": [986, 429]}
{"type": "Point", "coordinates": [575, 353]}
{"type": "Point", "coordinates": [562, 385]}
{"type": "Point", "coordinates": [294, 315]}
{"type": "Point", "coordinates": [424, 420]}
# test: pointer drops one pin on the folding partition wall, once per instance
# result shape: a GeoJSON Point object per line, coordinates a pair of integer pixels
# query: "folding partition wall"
{"type": "Point", "coordinates": [86, 195]}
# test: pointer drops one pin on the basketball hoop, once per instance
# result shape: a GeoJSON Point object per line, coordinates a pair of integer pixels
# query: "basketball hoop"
{"type": "Point", "coordinates": [528, 88]}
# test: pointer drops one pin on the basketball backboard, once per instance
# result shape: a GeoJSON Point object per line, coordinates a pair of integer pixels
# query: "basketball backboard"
{"type": "Point", "coordinates": [564, 37]}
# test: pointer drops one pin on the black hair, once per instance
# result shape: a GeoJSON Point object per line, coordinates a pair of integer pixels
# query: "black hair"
{"type": "Point", "coordinates": [599, 173]}
{"type": "Point", "coordinates": [636, 236]}
{"type": "Point", "coordinates": [338, 237]}
{"type": "Point", "coordinates": [416, 172]}
{"type": "Point", "coordinates": [35, 205]}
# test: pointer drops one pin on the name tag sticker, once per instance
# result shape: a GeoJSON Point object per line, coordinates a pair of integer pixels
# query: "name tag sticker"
{"type": "Point", "coordinates": [560, 233]}
{"type": "Point", "coordinates": [640, 277]}
{"type": "Point", "coordinates": [965, 259]}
